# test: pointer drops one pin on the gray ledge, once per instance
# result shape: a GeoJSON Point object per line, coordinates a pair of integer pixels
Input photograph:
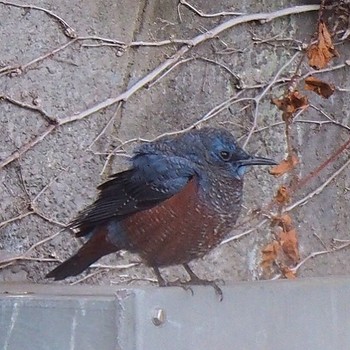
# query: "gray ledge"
{"type": "Point", "coordinates": [302, 314]}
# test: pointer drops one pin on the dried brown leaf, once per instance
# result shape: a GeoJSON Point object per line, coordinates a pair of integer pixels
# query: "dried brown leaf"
{"type": "Point", "coordinates": [285, 166]}
{"type": "Point", "coordinates": [323, 51]}
{"type": "Point", "coordinates": [282, 195]}
{"type": "Point", "coordinates": [283, 251]}
{"type": "Point", "coordinates": [289, 243]}
{"type": "Point", "coordinates": [288, 273]}
{"type": "Point", "coordinates": [269, 255]}
{"type": "Point", "coordinates": [290, 104]}
{"type": "Point", "coordinates": [320, 87]}
{"type": "Point", "coordinates": [283, 221]}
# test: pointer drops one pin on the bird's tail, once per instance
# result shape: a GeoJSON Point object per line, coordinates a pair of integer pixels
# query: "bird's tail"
{"type": "Point", "coordinates": [90, 252]}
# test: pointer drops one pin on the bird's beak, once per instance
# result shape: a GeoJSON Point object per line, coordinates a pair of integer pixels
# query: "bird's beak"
{"type": "Point", "coordinates": [256, 161]}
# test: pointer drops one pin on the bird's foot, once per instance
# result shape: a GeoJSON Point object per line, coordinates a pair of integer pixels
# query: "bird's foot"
{"type": "Point", "coordinates": [177, 283]}
{"type": "Point", "coordinates": [186, 285]}
{"type": "Point", "coordinates": [202, 282]}
{"type": "Point", "coordinates": [195, 280]}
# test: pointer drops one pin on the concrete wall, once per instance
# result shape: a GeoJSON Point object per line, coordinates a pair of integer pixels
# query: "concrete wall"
{"type": "Point", "coordinates": [57, 174]}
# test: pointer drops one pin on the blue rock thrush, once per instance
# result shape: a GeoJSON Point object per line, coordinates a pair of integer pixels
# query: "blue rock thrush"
{"type": "Point", "coordinates": [179, 199]}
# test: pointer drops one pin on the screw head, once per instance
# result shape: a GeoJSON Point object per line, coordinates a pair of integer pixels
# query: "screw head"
{"type": "Point", "coordinates": [158, 317]}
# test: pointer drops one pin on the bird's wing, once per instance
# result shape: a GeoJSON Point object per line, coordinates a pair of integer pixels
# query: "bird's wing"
{"type": "Point", "coordinates": [153, 179]}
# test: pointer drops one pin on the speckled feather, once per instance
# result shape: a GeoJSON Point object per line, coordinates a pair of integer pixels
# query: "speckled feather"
{"type": "Point", "coordinates": [181, 196]}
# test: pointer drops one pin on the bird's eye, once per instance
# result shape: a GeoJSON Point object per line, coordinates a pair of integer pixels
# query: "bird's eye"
{"type": "Point", "coordinates": [225, 155]}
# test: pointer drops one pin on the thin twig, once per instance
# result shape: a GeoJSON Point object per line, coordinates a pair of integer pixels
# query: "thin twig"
{"type": "Point", "coordinates": [266, 89]}
{"type": "Point", "coordinates": [106, 126]}
{"type": "Point", "coordinates": [67, 29]}
{"type": "Point", "coordinates": [24, 256]}
{"type": "Point", "coordinates": [117, 43]}
{"type": "Point", "coordinates": [328, 117]}
{"type": "Point", "coordinates": [53, 179]}
{"type": "Point", "coordinates": [314, 254]}
{"type": "Point", "coordinates": [325, 70]}
{"type": "Point", "coordinates": [185, 60]}
{"type": "Point", "coordinates": [103, 268]}
{"type": "Point", "coordinates": [245, 233]}
{"type": "Point", "coordinates": [130, 280]}
{"type": "Point", "coordinates": [319, 189]}
{"type": "Point", "coordinates": [209, 15]}
{"type": "Point", "coordinates": [19, 217]}
{"type": "Point", "coordinates": [47, 117]}
{"type": "Point", "coordinates": [10, 262]}
{"type": "Point", "coordinates": [27, 146]}
{"type": "Point", "coordinates": [320, 240]}
{"type": "Point", "coordinates": [160, 43]}
{"type": "Point", "coordinates": [19, 69]}
{"type": "Point", "coordinates": [92, 274]}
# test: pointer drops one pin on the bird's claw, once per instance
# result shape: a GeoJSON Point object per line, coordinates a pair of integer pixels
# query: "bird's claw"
{"type": "Point", "coordinates": [202, 282]}
{"type": "Point", "coordinates": [194, 280]}
{"type": "Point", "coordinates": [177, 283]}
{"type": "Point", "coordinates": [186, 285]}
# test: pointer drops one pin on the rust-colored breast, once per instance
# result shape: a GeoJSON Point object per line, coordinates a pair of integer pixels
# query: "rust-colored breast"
{"type": "Point", "coordinates": [178, 230]}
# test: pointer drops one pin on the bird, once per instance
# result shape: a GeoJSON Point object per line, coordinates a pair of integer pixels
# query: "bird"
{"type": "Point", "coordinates": [178, 200]}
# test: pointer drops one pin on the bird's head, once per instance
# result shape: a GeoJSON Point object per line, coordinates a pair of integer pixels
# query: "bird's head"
{"type": "Point", "coordinates": [222, 151]}
{"type": "Point", "coordinates": [197, 149]}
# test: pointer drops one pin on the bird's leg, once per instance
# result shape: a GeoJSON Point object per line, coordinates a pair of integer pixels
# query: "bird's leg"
{"type": "Point", "coordinates": [194, 279]}
{"type": "Point", "coordinates": [161, 280]}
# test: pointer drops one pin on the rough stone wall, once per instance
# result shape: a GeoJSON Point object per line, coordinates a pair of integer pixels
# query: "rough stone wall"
{"type": "Point", "coordinates": [62, 158]}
